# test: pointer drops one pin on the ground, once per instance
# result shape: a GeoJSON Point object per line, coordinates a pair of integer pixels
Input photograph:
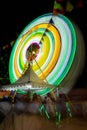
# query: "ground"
{"type": "Point", "coordinates": [37, 122]}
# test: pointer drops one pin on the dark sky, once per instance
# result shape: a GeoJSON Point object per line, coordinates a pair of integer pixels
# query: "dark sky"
{"type": "Point", "coordinates": [15, 16]}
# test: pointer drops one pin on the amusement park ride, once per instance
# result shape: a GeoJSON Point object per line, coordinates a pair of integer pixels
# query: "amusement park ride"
{"type": "Point", "coordinates": [47, 57]}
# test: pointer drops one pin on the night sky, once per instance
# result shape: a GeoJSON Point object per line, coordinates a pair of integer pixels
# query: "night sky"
{"type": "Point", "coordinates": [14, 17]}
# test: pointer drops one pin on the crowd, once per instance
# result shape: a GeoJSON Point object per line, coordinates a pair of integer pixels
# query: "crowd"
{"type": "Point", "coordinates": [35, 104]}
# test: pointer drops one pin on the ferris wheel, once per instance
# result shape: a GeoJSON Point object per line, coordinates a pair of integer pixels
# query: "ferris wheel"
{"type": "Point", "coordinates": [54, 47]}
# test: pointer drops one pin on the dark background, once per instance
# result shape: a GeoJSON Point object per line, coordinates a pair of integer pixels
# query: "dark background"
{"type": "Point", "coordinates": [14, 17]}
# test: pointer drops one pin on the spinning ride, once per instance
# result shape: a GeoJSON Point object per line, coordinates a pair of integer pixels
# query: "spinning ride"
{"type": "Point", "coordinates": [54, 47]}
